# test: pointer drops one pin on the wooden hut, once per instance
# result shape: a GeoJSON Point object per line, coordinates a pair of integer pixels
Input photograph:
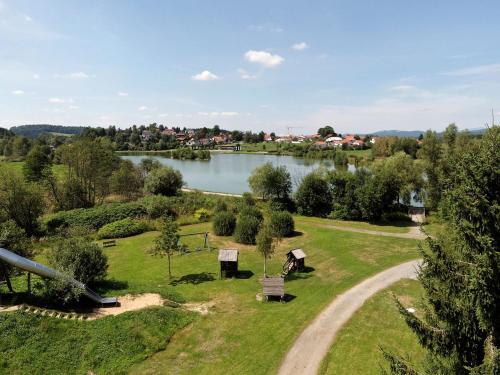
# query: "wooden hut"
{"type": "Point", "coordinates": [296, 260]}
{"type": "Point", "coordinates": [273, 287]}
{"type": "Point", "coordinates": [228, 259]}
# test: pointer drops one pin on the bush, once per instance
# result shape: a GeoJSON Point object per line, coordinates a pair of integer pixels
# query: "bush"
{"type": "Point", "coordinates": [251, 211]}
{"type": "Point", "coordinates": [95, 217]}
{"type": "Point", "coordinates": [157, 206]}
{"type": "Point", "coordinates": [165, 181]}
{"type": "Point", "coordinates": [248, 199]}
{"type": "Point", "coordinates": [83, 260]}
{"type": "Point", "coordinates": [313, 196]}
{"type": "Point", "coordinates": [202, 214]}
{"type": "Point", "coordinates": [282, 224]}
{"type": "Point", "coordinates": [224, 223]}
{"type": "Point", "coordinates": [246, 229]}
{"type": "Point", "coordinates": [121, 228]}
{"type": "Point", "coordinates": [220, 206]}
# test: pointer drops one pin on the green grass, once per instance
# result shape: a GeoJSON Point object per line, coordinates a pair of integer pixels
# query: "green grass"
{"type": "Point", "coordinates": [389, 227]}
{"type": "Point", "coordinates": [32, 344]}
{"type": "Point", "coordinates": [242, 335]}
{"type": "Point", "coordinates": [433, 225]}
{"type": "Point", "coordinates": [356, 349]}
{"type": "Point", "coordinates": [57, 169]}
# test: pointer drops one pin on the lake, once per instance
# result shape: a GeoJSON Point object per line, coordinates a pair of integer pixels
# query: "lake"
{"type": "Point", "coordinates": [228, 173]}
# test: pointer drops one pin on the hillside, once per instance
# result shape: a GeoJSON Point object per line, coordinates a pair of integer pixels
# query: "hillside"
{"type": "Point", "coordinates": [33, 131]}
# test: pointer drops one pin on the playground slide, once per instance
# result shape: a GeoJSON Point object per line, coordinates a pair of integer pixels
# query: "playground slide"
{"type": "Point", "coordinates": [41, 270]}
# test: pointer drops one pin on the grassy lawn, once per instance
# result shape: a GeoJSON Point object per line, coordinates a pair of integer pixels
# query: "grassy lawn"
{"type": "Point", "coordinates": [390, 227]}
{"type": "Point", "coordinates": [433, 224]}
{"type": "Point", "coordinates": [32, 344]}
{"type": "Point", "coordinates": [17, 166]}
{"type": "Point", "coordinates": [356, 349]}
{"type": "Point", "coordinates": [221, 342]}
{"type": "Point", "coordinates": [240, 335]}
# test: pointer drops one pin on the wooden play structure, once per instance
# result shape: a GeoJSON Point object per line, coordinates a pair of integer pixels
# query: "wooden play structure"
{"type": "Point", "coordinates": [228, 259]}
{"type": "Point", "coordinates": [273, 286]}
{"type": "Point", "coordinates": [295, 261]}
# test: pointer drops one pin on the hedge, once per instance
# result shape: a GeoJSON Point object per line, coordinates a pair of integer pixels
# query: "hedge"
{"type": "Point", "coordinates": [95, 217]}
{"type": "Point", "coordinates": [121, 228]}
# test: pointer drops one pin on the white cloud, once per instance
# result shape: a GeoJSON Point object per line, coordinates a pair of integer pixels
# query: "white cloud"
{"type": "Point", "coordinates": [60, 101]}
{"type": "Point", "coordinates": [121, 93]}
{"type": "Point", "coordinates": [36, 76]}
{"type": "Point", "coordinates": [57, 100]}
{"type": "Point", "coordinates": [245, 75]}
{"type": "Point", "coordinates": [402, 88]}
{"type": "Point", "coordinates": [27, 18]}
{"type": "Point", "coordinates": [73, 107]}
{"type": "Point", "coordinates": [18, 92]}
{"type": "Point", "coordinates": [143, 108]}
{"type": "Point", "coordinates": [264, 58]}
{"type": "Point", "coordinates": [75, 75]}
{"type": "Point", "coordinates": [475, 70]}
{"type": "Point", "coordinates": [218, 114]}
{"type": "Point", "coordinates": [163, 115]}
{"type": "Point", "coordinates": [300, 46]}
{"type": "Point", "coordinates": [267, 27]}
{"type": "Point", "coordinates": [205, 76]}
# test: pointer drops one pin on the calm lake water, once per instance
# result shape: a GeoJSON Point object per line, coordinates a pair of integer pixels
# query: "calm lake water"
{"type": "Point", "coordinates": [228, 173]}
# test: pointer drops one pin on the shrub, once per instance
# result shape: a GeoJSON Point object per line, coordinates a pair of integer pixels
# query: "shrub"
{"type": "Point", "coordinates": [165, 181]}
{"type": "Point", "coordinates": [84, 260]}
{"type": "Point", "coordinates": [95, 217]}
{"type": "Point", "coordinates": [157, 206]}
{"type": "Point", "coordinates": [121, 228]}
{"type": "Point", "coordinates": [281, 223]}
{"type": "Point", "coordinates": [202, 214]}
{"type": "Point", "coordinates": [248, 199]}
{"type": "Point", "coordinates": [251, 211]}
{"type": "Point", "coordinates": [220, 206]}
{"type": "Point", "coordinates": [313, 196]}
{"type": "Point", "coordinates": [224, 223]}
{"type": "Point", "coordinates": [246, 229]}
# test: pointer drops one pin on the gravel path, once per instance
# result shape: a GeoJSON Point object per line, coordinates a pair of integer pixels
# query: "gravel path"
{"type": "Point", "coordinates": [314, 342]}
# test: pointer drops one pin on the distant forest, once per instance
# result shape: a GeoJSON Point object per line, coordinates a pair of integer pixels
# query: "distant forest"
{"type": "Point", "coordinates": [33, 131]}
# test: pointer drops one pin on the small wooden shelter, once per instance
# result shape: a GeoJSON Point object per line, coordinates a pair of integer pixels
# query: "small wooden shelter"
{"type": "Point", "coordinates": [295, 260]}
{"type": "Point", "coordinates": [228, 259]}
{"type": "Point", "coordinates": [273, 286]}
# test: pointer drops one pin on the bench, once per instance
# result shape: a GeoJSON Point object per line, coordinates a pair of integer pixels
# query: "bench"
{"type": "Point", "coordinates": [108, 243]}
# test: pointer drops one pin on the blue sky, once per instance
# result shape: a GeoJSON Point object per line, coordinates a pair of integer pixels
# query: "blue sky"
{"type": "Point", "coordinates": [359, 66]}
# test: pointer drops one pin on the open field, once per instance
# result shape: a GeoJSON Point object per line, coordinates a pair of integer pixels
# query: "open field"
{"type": "Point", "coordinates": [58, 169]}
{"type": "Point", "coordinates": [220, 341]}
{"type": "Point", "coordinates": [356, 349]}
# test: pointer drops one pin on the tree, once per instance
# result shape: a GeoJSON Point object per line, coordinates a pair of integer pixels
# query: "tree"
{"type": "Point", "coordinates": [460, 325]}
{"type": "Point", "coordinates": [20, 201]}
{"type": "Point", "coordinates": [326, 131]}
{"type": "Point", "coordinates": [272, 182]}
{"type": "Point", "coordinates": [313, 196]}
{"type": "Point", "coordinates": [450, 135]}
{"type": "Point", "coordinates": [431, 155]}
{"type": "Point", "coordinates": [126, 180]}
{"type": "Point", "coordinates": [165, 181]}
{"type": "Point", "coordinates": [265, 244]}
{"type": "Point", "coordinates": [35, 163]}
{"type": "Point", "coordinates": [167, 242]}
{"type": "Point", "coordinates": [83, 259]}
{"type": "Point", "coordinates": [90, 163]}
{"type": "Point", "coordinates": [224, 223]}
{"type": "Point", "coordinates": [147, 165]}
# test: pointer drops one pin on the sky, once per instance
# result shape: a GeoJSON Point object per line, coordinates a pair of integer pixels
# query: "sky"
{"type": "Point", "coordinates": [359, 66]}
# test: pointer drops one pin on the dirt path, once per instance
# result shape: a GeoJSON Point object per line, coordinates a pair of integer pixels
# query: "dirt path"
{"type": "Point", "coordinates": [414, 232]}
{"type": "Point", "coordinates": [306, 354]}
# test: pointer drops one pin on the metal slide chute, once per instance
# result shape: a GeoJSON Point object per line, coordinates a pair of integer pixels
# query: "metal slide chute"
{"type": "Point", "coordinates": [43, 271]}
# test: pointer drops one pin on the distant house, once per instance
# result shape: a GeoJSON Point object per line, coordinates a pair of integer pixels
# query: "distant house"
{"type": "Point", "coordinates": [312, 137]}
{"type": "Point", "coordinates": [268, 138]}
{"type": "Point", "coordinates": [181, 137]}
{"type": "Point", "coordinates": [219, 139]}
{"type": "Point", "coordinates": [146, 135]}
{"type": "Point", "coordinates": [168, 132]}
{"type": "Point", "coordinates": [320, 144]}
{"type": "Point", "coordinates": [332, 139]}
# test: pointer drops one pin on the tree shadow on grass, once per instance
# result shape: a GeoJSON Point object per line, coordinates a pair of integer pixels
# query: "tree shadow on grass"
{"type": "Point", "coordinates": [194, 278]}
{"type": "Point", "coordinates": [245, 274]}
{"type": "Point", "coordinates": [295, 233]}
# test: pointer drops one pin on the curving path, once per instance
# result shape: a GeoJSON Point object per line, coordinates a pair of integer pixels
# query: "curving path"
{"type": "Point", "coordinates": [414, 233]}
{"type": "Point", "coordinates": [306, 354]}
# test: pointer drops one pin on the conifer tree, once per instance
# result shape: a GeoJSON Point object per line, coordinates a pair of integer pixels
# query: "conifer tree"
{"type": "Point", "coordinates": [460, 326]}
